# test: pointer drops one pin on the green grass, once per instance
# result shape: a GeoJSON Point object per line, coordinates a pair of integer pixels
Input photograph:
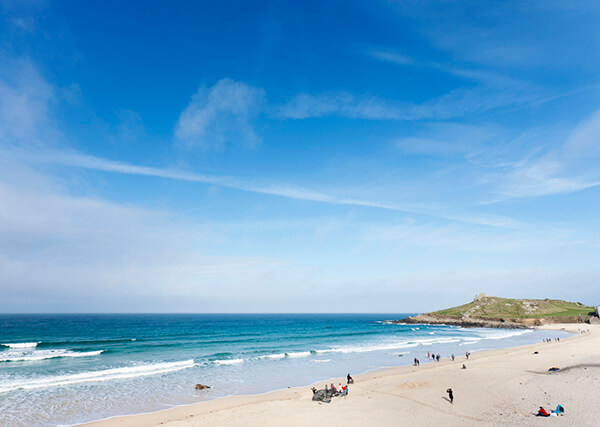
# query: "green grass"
{"type": "Point", "coordinates": [494, 307]}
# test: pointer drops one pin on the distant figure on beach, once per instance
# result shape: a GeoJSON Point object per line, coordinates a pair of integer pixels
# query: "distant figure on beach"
{"type": "Point", "coordinates": [464, 366]}
{"type": "Point", "coordinates": [314, 390]}
{"type": "Point", "coordinates": [467, 354]}
{"type": "Point", "coordinates": [326, 388]}
{"type": "Point", "coordinates": [333, 388]}
{"type": "Point", "coordinates": [437, 357]}
{"type": "Point", "coordinates": [349, 379]}
{"type": "Point", "coordinates": [453, 358]}
{"type": "Point", "coordinates": [450, 395]}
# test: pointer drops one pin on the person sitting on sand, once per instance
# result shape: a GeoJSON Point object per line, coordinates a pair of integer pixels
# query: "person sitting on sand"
{"type": "Point", "coordinates": [314, 390]}
{"type": "Point", "coordinates": [542, 413]}
{"type": "Point", "coordinates": [464, 366]}
{"type": "Point", "coordinates": [326, 388]}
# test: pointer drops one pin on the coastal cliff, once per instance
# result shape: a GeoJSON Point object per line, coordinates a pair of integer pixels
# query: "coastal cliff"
{"type": "Point", "coordinates": [494, 312]}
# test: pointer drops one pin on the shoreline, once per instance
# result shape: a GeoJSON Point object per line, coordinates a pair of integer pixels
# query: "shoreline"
{"type": "Point", "coordinates": [284, 406]}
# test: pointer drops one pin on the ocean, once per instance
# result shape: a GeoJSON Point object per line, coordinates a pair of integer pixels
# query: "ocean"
{"type": "Point", "coordinates": [66, 369]}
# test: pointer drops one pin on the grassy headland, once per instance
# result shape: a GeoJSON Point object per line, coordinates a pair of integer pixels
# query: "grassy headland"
{"type": "Point", "coordinates": [496, 312]}
{"type": "Point", "coordinates": [498, 308]}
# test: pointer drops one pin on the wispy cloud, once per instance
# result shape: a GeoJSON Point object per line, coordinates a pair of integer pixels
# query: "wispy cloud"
{"type": "Point", "coordinates": [569, 168]}
{"type": "Point", "coordinates": [388, 55]}
{"type": "Point", "coordinates": [457, 103]}
{"type": "Point", "coordinates": [25, 98]}
{"type": "Point", "coordinates": [75, 159]}
{"type": "Point", "coordinates": [221, 115]}
{"type": "Point", "coordinates": [485, 76]}
{"type": "Point", "coordinates": [448, 139]}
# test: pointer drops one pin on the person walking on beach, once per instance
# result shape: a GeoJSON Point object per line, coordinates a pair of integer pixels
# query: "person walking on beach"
{"type": "Point", "coordinates": [453, 358]}
{"type": "Point", "coordinates": [450, 395]}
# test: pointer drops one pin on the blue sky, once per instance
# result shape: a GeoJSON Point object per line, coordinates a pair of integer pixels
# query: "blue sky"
{"type": "Point", "coordinates": [315, 157]}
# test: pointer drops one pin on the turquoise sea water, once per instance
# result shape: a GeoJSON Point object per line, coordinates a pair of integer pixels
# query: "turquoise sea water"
{"type": "Point", "coordinates": [65, 369]}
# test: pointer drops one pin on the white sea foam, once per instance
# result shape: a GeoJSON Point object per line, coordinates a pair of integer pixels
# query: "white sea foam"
{"type": "Point", "coordinates": [273, 356]}
{"type": "Point", "coordinates": [298, 354]}
{"type": "Point", "coordinates": [500, 335]}
{"type": "Point", "coordinates": [391, 345]}
{"type": "Point", "coordinates": [321, 360]}
{"type": "Point", "coordinates": [45, 354]}
{"type": "Point", "coordinates": [228, 362]}
{"type": "Point", "coordinates": [96, 376]}
{"type": "Point", "coordinates": [22, 344]}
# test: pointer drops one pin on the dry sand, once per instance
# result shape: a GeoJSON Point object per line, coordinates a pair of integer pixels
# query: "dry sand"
{"type": "Point", "coordinates": [500, 387]}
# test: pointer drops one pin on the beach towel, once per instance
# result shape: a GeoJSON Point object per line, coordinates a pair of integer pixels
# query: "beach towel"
{"type": "Point", "coordinates": [322, 396]}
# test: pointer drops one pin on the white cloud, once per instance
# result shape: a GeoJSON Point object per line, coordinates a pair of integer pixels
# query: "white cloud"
{"type": "Point", "coordinates": [569, 168]}
{"type": "Point", "coordinates": [24, 104]}
{"type": "Point", "coordinates": [59, 251]}
{"type": "Point", "coordinates": [448, 139]}
{"type": "Point", "coordinates": [388, 55]}
{"type": "Point", "coordinates": [457, 103]}
{"type": "Point", "coordinates": [75, 159]}
{"type": "Point", "coordinates": [221, 115]}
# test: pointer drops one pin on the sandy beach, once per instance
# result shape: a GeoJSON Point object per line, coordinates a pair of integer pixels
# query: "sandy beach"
{"type": "Point", "coordinates": [499, 387]}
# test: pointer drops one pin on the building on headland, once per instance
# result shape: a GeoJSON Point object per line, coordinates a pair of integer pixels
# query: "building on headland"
{"type": "Point", "coordinates": [480, 296]}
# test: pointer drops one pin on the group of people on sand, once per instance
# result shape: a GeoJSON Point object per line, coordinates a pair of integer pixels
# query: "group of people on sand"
{"type": "Point", "coordinates": [341, 390]}
{"type": "Point", "coordinates": [584, 331]}
{"type": "Point", "coordinates": [550, 340]}
{"type": "Point", "coordinates": [332, 391]}
{"type": "Point", "coordinates": [436, 357]}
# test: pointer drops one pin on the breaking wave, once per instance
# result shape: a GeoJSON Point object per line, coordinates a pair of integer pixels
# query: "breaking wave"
{"type": "Point", "coordinates": [228, 362]}
{"type": "Point", "coordinates": [97, 376]}
{"type": "Point", "coordinates": [45, 354]}
{"type": "Point", "coordinates": [21, 345]}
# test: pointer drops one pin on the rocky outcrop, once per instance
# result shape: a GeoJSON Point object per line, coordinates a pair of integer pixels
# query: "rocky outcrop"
{"type": "Point", "coordinates": [480, 322]}
{"type": "Point", "coordinates": [465, 321]}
